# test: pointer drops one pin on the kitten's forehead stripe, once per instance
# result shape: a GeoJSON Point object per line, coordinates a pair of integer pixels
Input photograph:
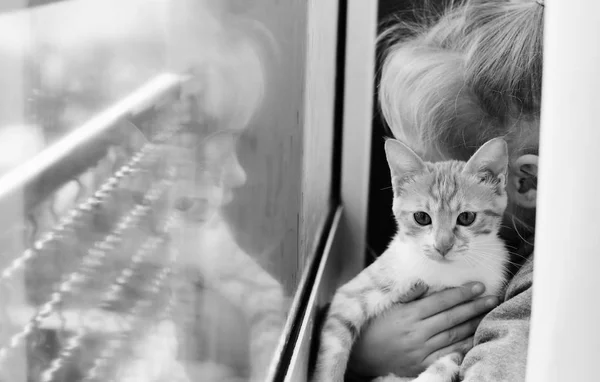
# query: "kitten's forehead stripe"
{"type": "Point", "coordinates": [445, 184]}
{"type": "Point", "coordinates": [457, 206]}
{"type": "Point", "coordinates": [432, 192]}
{"type": "Point", "coordinates": [453, 192]}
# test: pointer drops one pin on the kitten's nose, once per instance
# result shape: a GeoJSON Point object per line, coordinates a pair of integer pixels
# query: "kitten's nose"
{"type": "Point", "coordinates": [443, 249]}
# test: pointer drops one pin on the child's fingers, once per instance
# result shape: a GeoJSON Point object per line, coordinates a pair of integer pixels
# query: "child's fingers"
{"type": "Point", "coordinates": [453, 335]}
{"type": "Point", "coordinates": [459, 314]}
{"type": "Point", "coordinates": [446, 299]}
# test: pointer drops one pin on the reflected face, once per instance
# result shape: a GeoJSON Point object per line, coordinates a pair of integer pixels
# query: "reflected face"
{"type": "Point", "coordinates": [216, 174]}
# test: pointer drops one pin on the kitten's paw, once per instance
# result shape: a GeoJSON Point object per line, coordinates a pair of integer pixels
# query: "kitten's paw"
{"type": "Point", "coordinates": [455, 359]}
{"type": "Point", "coordinates": [392, 378]}
{"type": "Point", "coordinates": [445, 369]}
{"type": "Point", "coordinates": [434, 378]}
{"type": "Point", "coordinates": [417, 289]}
{"type": "Point", "coordinates": [431, 378]}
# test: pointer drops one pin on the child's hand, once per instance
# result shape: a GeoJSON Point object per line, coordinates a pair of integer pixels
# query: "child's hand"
{"type": "Point", "coordinates": [409, 337]}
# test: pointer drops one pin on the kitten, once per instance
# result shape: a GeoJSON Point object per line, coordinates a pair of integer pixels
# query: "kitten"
{"type": "Point", "coordinates": [448, 214]}
{"type": "Point", "coordinates": [208, 251]}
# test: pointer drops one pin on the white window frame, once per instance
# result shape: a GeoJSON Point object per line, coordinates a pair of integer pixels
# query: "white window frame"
{"type": "Point", "coordinates": [564, 342]}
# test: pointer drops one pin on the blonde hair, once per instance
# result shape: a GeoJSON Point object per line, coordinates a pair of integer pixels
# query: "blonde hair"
{"type": "Point", "coordinates": [454, 78]}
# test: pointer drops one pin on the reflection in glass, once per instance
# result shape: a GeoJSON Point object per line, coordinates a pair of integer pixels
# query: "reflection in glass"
{"type": "Point", "coordinates": [150, 189]}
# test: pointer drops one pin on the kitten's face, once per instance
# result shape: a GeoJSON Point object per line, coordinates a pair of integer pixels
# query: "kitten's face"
{"type": "Point", "coordinates": [446, 209]}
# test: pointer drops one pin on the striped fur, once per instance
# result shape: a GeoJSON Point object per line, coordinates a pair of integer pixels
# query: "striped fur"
{"type": "Point", "coordinates": [443, 190]}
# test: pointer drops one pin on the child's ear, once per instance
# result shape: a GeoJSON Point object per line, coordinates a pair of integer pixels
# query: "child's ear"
{"type": "Point", "coordinates": [522, 184]}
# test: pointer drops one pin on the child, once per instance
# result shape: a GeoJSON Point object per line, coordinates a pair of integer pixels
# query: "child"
{"type": "Point", "coordinates": [449, 84]}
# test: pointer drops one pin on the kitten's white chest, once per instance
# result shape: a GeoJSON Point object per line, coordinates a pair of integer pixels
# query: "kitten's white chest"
{"type": "Point", "coordinates": [485, 262]}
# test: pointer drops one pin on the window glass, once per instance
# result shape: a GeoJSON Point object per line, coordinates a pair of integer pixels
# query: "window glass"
{"type": "Point", "coordinates": [162, 186]}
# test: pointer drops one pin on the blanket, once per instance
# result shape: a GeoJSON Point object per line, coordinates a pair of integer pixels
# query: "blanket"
{"type": "Point", "coordinates": [500, 346]}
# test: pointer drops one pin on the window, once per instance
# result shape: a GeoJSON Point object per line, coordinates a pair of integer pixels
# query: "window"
{"type": "Point", "coordinates": [567, 254]}
{"type": "Point", "coordinates": [166, 177]}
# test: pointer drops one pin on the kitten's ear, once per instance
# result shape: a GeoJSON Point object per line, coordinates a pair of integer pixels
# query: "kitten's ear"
{"type": "Point", "coordinates": [492, 158]}
{"type": "Point", "coordinates": [402, 160]}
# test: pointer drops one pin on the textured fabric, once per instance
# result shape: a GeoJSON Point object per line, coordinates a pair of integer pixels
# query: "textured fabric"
{"type": "Point", "coordinates": [501, 340]}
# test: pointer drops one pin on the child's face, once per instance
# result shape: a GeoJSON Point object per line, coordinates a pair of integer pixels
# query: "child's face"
{"type": "Point", "coordinates": [521, 187]}
{"type": "Point", "coordinates": [522, 180]}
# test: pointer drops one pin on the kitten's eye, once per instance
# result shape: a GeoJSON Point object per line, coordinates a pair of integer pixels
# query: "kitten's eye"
{"type": "Point", "coordinates": [183, 204]}
{"type": "Point", "coordinates": [466, 218]}
{"type": "Point", "coordinates": [422, 218]}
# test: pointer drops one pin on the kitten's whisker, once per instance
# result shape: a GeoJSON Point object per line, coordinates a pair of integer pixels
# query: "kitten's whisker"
{"type": "Point", "coordinates": [470, 261]}
{"type": "Point", "coordinates": [519, 255]}
{"type": "Point", "coordinates": [513, 217]}
{"type": "Point", "coordinates": [524, 224]}
{"type": "Point", "coordinates": [513, 228]}
{"type": "Point", "coordinates": [484, 264]}
{"type": "Point", "coordinates": [483, 253]}
{"type": "Point", "coordinates": [480, 255]}
{"type": "Point", "coordinates": [484, 247]}
{"type": "Point", "coordinates": [505, 281]}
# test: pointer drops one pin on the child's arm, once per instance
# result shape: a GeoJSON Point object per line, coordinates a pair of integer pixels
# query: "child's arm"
{"type": "Point", "coordinates": [501, 340]}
